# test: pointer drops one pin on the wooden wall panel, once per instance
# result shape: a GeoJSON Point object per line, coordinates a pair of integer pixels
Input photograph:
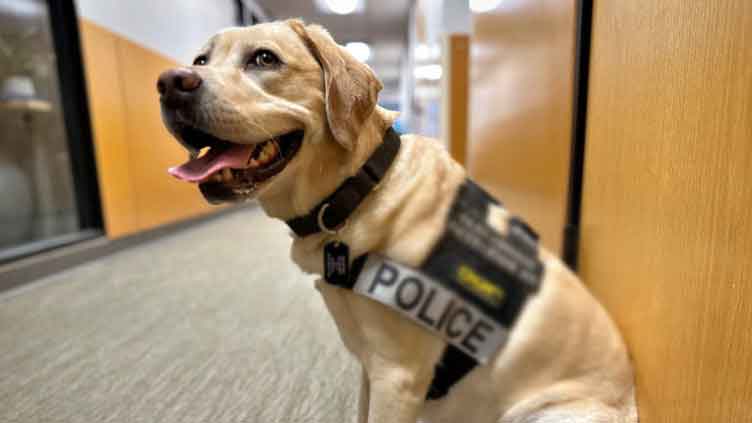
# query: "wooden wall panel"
{"type": "Point", "coordinates": [522, 62]}
{"type": "Point", "coordinates": [666, 239]}
{"type": "Point", "coordinates": [107, 110]}
{"type": "Point", "coordinates": [133, 149]}
{"type": "Point", "coordinates": [159, 197]}
{"type": "Point", "coordinates": [456, 93]}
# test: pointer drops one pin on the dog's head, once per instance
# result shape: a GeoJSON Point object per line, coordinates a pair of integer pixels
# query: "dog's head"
{"type": "Point", "coordinates": [263, 102]}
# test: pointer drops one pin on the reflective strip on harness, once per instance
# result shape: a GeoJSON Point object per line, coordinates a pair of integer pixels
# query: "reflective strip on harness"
{"type": "Point", "coordinates": [430, 304]}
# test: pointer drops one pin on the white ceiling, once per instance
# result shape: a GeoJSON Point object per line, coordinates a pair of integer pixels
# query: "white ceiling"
{"type": "Point", "coordinates": [381, 20]}
{"type": "Point", "coordinates": [382, 24]}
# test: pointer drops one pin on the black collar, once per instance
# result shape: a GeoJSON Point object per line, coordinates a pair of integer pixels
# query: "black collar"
{"type": "Point", "coordinates": [336, 208]}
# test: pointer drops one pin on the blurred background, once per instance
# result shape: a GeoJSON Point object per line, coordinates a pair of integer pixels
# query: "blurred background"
{"type": "Point", "coordinates": [621, 131]}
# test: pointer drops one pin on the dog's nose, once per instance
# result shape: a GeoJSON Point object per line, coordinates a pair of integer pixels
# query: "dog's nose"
{"type": "Point", "coordinates": [177, 86]}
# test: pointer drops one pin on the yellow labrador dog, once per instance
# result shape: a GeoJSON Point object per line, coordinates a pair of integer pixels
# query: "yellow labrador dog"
{"type": "Point", "coordinates": [288, 115]}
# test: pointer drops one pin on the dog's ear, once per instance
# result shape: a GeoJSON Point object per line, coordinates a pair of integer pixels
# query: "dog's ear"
{"type": "Point", "coordinates": [350, 87]}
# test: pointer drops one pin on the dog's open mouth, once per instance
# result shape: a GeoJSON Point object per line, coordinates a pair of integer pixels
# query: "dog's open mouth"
{"type": "Point", "coordinates": [226, 171]}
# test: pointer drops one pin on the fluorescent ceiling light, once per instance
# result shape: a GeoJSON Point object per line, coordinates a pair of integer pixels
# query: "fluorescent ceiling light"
{"type": "Point", "coordinates": [340, 7]}
{"type": "Point", "coordinates": [429, 72]}
{"type": "Point", "coordinates": [424, 52]}
{"type": "Point", "coordinates": [480, 6]}
{"type": "Point", "coordinates": [361, 51]}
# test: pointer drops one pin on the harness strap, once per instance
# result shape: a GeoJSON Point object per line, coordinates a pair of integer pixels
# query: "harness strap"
{"type": "Point", "coordinates": [451, 368]}
{"type": "Point", "coordinates": [454, 363]}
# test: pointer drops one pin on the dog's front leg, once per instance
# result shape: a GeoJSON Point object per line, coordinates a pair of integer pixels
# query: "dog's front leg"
{"type": "Point", "coordinates": [398, 356]}
{"type": "Point", "coordinates": [396, 396]}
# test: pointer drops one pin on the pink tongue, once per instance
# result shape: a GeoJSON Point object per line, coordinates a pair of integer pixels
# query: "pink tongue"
{"type": "Point", "coordinates": [196, 170]}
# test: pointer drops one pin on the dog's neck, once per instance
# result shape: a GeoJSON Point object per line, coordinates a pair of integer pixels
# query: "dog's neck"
{"type": "Point", "coordinates": [312, 181]}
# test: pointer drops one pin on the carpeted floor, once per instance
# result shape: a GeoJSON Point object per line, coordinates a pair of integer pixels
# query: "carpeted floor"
{"type": "Point", "coordinates": [212, 324]}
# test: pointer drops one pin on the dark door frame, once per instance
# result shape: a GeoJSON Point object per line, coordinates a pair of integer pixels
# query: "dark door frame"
{"type": "Point", "coordinates": [583, 30]}
{"type": "Point", "coordinates": [64, 23]}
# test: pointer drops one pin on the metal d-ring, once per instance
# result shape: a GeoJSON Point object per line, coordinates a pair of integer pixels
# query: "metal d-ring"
{"type": "Point", "coordinates": [322, 226]}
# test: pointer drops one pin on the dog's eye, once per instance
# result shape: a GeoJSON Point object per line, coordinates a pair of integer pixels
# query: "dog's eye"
{"type": "Point", "coordinates": [264, 59]}
{"type": "Point", "coordinates": [201, 60]}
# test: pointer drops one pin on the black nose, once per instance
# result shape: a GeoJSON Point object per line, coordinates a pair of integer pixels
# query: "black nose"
{"type": "Point", "coordinates": [178, 86]}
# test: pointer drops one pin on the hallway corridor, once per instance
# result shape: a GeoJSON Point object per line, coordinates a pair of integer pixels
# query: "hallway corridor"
{"type": "Point", "coordinates": [210, 324]}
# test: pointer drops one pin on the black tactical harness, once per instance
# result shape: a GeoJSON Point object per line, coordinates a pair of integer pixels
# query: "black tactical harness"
{"type": "Point", "coordinates": [491, 274]}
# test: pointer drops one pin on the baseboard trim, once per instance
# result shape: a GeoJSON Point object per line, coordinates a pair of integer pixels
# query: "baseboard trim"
{"type": "Point", "coordinates": [18, 273]}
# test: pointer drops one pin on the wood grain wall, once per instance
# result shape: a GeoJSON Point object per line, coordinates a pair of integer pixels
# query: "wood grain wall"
{"type": "Point", "coordinates": [133, 150]}
{"type": "Point", "coordinates": [666, 239]}
{"type": "Point", "coordinates": [522, 60]}
{"type": "Point", "coordinates": [456, 93]}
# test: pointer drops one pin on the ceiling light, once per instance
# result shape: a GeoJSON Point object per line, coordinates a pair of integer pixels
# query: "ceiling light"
{"type": "Point", "coordinates": [429, 72]}
{"type": "Point", "coordinates": [480, 6]}
{"type": "Point", "coordinates": [361, 51]}
{"type": "Point", "coordinates": [425, 53]}
{"type": "Point", "coordinates": [422, 52]}
{"type": "Point", "coordinates": [342, 7]}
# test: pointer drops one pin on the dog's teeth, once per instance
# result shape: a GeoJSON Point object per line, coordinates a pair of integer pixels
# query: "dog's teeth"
{"type": "Point", "coordinates": [226, 174]}
{"type": "Point", "coordinates": [268, 152]}
{"type": "Point", "coordinates": [244, 191]}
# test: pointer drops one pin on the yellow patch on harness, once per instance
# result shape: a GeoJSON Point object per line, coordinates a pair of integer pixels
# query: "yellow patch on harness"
{"type": "Point", "coordinates": [491, 292]}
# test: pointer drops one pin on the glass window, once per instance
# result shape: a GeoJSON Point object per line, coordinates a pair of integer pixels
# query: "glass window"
{"type": "Point", "coordinates": [37, 197]}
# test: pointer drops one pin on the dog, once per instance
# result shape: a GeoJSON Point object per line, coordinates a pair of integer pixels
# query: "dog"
{"type": "Point", "coordinates": [287, 116]}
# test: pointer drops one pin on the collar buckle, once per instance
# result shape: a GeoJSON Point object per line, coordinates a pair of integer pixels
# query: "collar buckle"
{"type": "Point", "coordinates": [322, 225]}
{"type": "Point", "coordinates": [348, 196]}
